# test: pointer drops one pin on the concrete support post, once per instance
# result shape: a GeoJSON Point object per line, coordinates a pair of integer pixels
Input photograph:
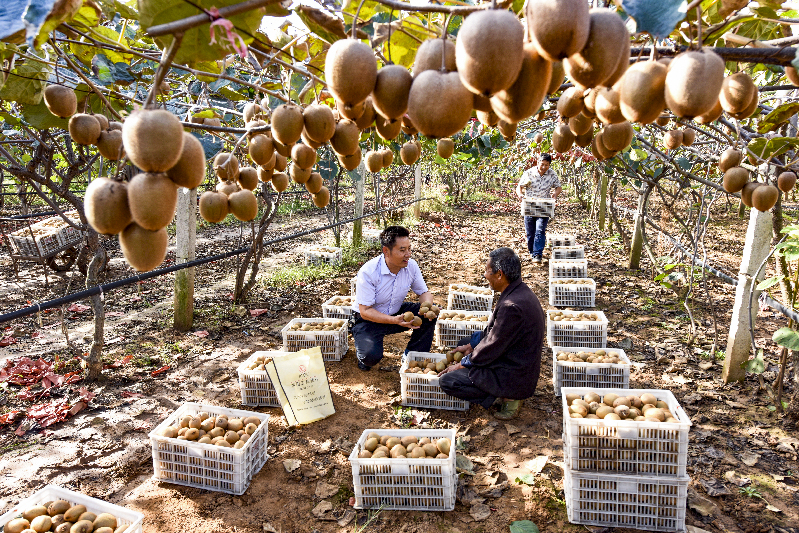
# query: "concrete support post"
{"type": "Point", "coordinates": [185, 237]}
{"type": "Point", "coordinates": [739, 342]}
{"type": "Point", "coordinates": [417, 191]}
{"type": "Point", "coordinates": [357, 227]}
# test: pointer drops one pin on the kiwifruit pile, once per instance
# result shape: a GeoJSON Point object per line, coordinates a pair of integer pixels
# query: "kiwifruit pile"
{"type": "Point", "coordinates": [426, 310]}
{"type": "Point", "coordinates": [574, 316]}
{"type": "Point", "coordinates": [473, 290]}
{"type": "Point", "coordinates": [431, 367]}
{"type": "Point", "coordinates": [378, 446]}
{"type": "Point", "coordinates": [611, 406]}
{"type": "Point", "coordinates": [462, 316]}
{"type": "Point", "coordinates": [259, 362]}
{"type": "Point", "coordinates": [63, 517]}
{"type": "Point", "coordinates": [219, 431]}
{"type": "Point", "coordinates": [341, 300]}
{"type": "Point", "coordinates": [322, 250]}
{"type": "Point", "coordinates": [571, 281]}
{"type": "Point", "coordinates": [599, 356]}
{"type": "Point", "coordinates": [327, 325]}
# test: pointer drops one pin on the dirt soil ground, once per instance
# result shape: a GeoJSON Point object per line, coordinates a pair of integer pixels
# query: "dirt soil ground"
{"type": "Point", "coordinates": [742, 461]}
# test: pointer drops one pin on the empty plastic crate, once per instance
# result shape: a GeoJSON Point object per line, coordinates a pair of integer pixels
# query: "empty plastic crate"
{"type": "Point", "coordinates": [321, 255]}
{"type": "Point", "coordinates": [568, 252]}
{"type": "Point", "coordinates": [353, 285]}
{"type": "Point", "coordinates": [568, 268]}
{"type": "Point", "coordinates": [635, 502]}
{"type": "Point", "coordinates": [332, 343]}
{"type": "Point", "coordinates": [656, 449]}
{"type": "Point", "coordinates": [572, 292]}
{"type": "Point", "coordinates": [256, 386]}
{"type": "Point", "coordinates": [333, 308]}
{"type": "Point", "coordinates": [207, 466]}
{"type": "Point", "coordinates": [449, 331]}
{"type": "Point", "coordinates": [422, 390]}
{"type": "Point", "coordinates": [560, 239]}
{"type": "Point", "coordinates": [578, 333]}
{"type": "Point", "coordinates": [405, 484]}
{"type": "Point", "coordinates": [124, 516]}
{"type": "Point", "coordinates": [470, 298]}
{"type": "Point", "coordinates": [590, 375]}
{"type": "Point", "coordinates": [538, 207]}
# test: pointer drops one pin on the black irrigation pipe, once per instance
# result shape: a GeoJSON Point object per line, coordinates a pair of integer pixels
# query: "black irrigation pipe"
{"type": "Point", "coordinates": [102, 289]}
{"type": "Point", "coordinates": [24, 217]}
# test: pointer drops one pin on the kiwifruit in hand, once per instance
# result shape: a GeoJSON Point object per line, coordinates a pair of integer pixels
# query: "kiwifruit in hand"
{"type": "Point", "coordinates": [558, 28]}
{"type": "Point", "coordinates": [786, 181]}
{"type": "Point", "coordinates": [261, 149]}
{"type": "Point", "coordinates": [350, 71]}
{"type": "Point", "coordinates": [288, 122]}
{"type": "Point", "coordinates": [387, 129]}
{"type": "Point", "coordinates": [346, 137]}
{"type": "Point", "coordinates": [109, 144]}
{"type": "Point", "coordinates": [189, 171]}
{"type": "Point", "coordinates": [322, 198]}
{"type": "Point", "coordinates": [580, 124]}
{"type": "Point", "coordinates": [243, 205]}
{"type": "Point", "coordinates": [58, 506]}
{"type": "Point", "coordinates": [672, 139]}
{"type": "Point", "coordinates": [390, 93]}
{"type": "Point", "coordinates": [143, 249]}
{"type": "Point", "coordinates": [60, 100]}
{"type": "Point", "coordinates": [558, 76]}
{"type": "Point", "coordinates": [570, 103]}
{"type": "Point", "coordinates": [507, 129]}
{"type": "Point", "coordinates": [597, 61]}
{"type": "Point", "coordinates": [428, 56]}
{"type": "Point", "coordinates": [445, 148]}
{"type": "Point", "coordinates": [409, 153]}
{"type": "Point", "coordinates": [562, 138]}
{"type": "Point", "coordinates": [730, 158]}
{"type": "Point", "coordinates": [84, 129]}
{"type": "Point", "coordinates": [350, 162]}
{"type": "Point", "coordinates": [764, 197]}
{"type": "Point", "coordinates": [367, 118]}
{"type": "Point", "coordinates": [153, 139]}
{"type": "Point", "coordinates": [735, 178]}
{"type": "Point", "coordinates": [226, 166]}
{"type": "Point", "coordinates": [17, 525]}
{"type": "Point", "coordinates": [527, 93]}
{"type": "Point", "coordinates": [152, 199]}
{"type": "Point", "coordinates": [373, 161]}
{"type": "Point", "coordinates": [688, 136]}
{"type": "Point", "coordinates": [607, 107]}
{"type": "Point", "coordinates": [439, 105]}
{"type": "Point", "coordinates": [319, 122]}
{"type": "Point", "coordinates": [617, 137]}
{"type": "Point", "coordinates": [736, 92]}
{"type": "Point", "coordinates": [416, 321]}
{"type": "Point", "coordinates": [693, 82]}
{"type": "Point", "coordinates": [248, 178]}
{"type": "Point", "coordinates": [73, 513]}
{"type": "Point", "coordinates": [314, 183]}
{"type": "Point", "coordinates": [106, 205]}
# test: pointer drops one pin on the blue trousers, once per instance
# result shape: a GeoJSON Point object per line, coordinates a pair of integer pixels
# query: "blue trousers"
{"type": "Point", "coordinates": [368, 336]}
{"type": "Point", "coordinates": [536, 228]}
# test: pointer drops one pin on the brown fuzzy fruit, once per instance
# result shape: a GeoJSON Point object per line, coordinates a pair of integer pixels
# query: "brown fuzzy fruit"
{"type": "Point", "coordinates": [750, 109]}
{"type": "Point", "coordinates": [248, 178]}
{"type": "Point", "coordinates": [711, 115]}
{"type": "Point", "coordinates": [730, 158]}
{"type": "Point", "coordinates": [585, 139]}
{"type": "Point", "coordinates": [106, 205]}
{"type": "Point", "coordinates": [527, 93]}
{"type": "Point", "coordinates": [280, 163]}
{"type": "Point", "coordinates": [243, 205]}
{"type": "Point", "coordinates": [580, 124]}
{"type": "Point", "coordinates": [693, 82]}
{"type": "Point", "coordinates": [558, 76]}
{"type": "Point", "coordinates": [571, 103]}
{"type": "Point", "coordinates": [409, 153]}
{"type": "Point", "coordinates": [598, 60]}
{"type": "Point", "coordinates": [735, 178]}
{"type": "Point", "coordinates": [283, 149]}
{"type": "Point", "coordinates": [227, 187]}
{"type": "Point", "coordinates": [288, 122]}
{"type": "Point", "coordinates": [314, 183]}
{"type": "Point", "coordinates": [60, 100]}
{"type": "Point", "coordinates": [350, 71]}
{"type": "Point", "coordinates": [764, 197]}
{"type": "Point", "coordinates": [105, 520]}
{"type": "Point", "coordinates": [373, 161]}
{"type": "Point", "coordinates": [488, 119]}
{"type": "Point", "coordinates": [786, 181]}
{"type": "Point", "coordinates": [143, 249]}
{"type": "Point", "coordinates": [303, 155]}
{"type": "Point", "coordinates": [345, 139]}
{"type": "Point", "coordinates": [250, 111]}
{"type": "Point", "coordinates": [322, 198]}
{"type": "Point", "coordinates": [152, 199]}
{"type": "Point", "coordinates": [792, 75]}
{"type": "Point", "coordinates": [507, 129]}
{"type": "Point", "coordinates": [617, 137]}
{"type": "Point", "coordinates": [261, 149]}
{"type": "Point", "coordinates": [352, 112]}
{"type": "Point", "coordinates": [672, 139]}
{"type": "Point", "coordinates": [189, 171]}
{"type": "Point", "coordinates": [736, 92]}
{"type": "Point", "coordinates": [388, 157]}
{"type": "Point", "coordinates": [747, 191]}
{"type": "Point", "coordinates": [84, 129]}
{"type": "Point", "coordinates": [214, 206]}
{"type": "Point", "coordinates": [387, 129]}
{"type": "Point", "coordinates": [428, 56]}
{"type": "Point", "coordinates": [539, 137]}
{"type": "Point", "coordinates": [367, 118]}
{"type": "Point", "coordinates": [313, 144]}
{"type": "Point", "coordinates": [481, 103]}
{"type": "Point", "coordinates": [445, 148]}
{"type": "Point", "coordinates": [439, 104]}
{"type": "Point", "coordinates": [226, 170]}
{"type": "Point", "coordinates": [558, 28]}
{"type": "Point", "coordinates": [390, 95]}
{"type": "Point", "coordinates": [299, 175]}
{"type": "Point", "coordinates": [280, 181]}
{"type": "Point", "coordinates": [319, 123]}
{"type": "Point", "coordinates": [607, 106]}
{"type": "Point", "coordinates": [562, 138]}
{"type": "Point", "coordinates": [110, 145]}
{"type": "Point", "coordinates": [621, 67]}
{"type": "Point", "coordinates": [265, 174]}
{"type": "Point", "coordinates": [662, 120]}
{"type": "Point", "coordinates": [153, 139]}
{"type": "Point", "coordinates": [641, 92]}
{"type": "Point", "coordinates": [350, 162]}
{"type": "Point", "coordinates": [407, 126]}
{"type": "Point", "coordinates": [688, 136]}
{"type": "Point", "coordinates": [103, 122]}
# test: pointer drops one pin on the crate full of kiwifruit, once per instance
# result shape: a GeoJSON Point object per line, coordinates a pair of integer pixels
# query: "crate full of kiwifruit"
{"type": "Point", "coordinates": [405, 469]}
{"type": "Point", "coordinates": [568, 268]}
{"type": "Point", "coordinates": [453, 325]}
{"type": "Point", "coordinates": [577, 329]}
{"type": "Point", "coordinates": [572, 292]}
{"type": "Point", "coordinates": [419, 381]}
{"type": "Point", "coordinates": [210, 447]}
{"type": "Point", "coordinates": [51, 506]}
{"type": "Point", "coordinates": [624, 431]}
{"type": "Point", "coordinates": [598, 368]}
{"type": "Point", "coordinates": [568, 252]}
{"type": "Point", "coordinates": [330, 334]}
{"type": "Point", "coordinates": [469, 298]}
{"type": "Point", "coordinates": [561, 239]}
{"type": "Point", "coordinates": [254, 382]}
{"type": "Point", "coordinates": [538, 207]}
{"type": "Point", "coordinates": [340, 307]}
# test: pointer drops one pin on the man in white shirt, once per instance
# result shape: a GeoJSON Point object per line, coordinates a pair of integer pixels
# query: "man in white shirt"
{"type": "Point", "coordinates": [537, 183]}
{"type": "Point", "coordinates": [383, 283]}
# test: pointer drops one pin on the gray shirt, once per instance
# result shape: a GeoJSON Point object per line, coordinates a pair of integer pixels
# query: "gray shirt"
{"type": "Point", "coordinates": [538, 186]}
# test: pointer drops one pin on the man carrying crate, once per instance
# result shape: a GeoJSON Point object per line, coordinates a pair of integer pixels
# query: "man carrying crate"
{"type": "Point", "coordinates": [504, 360]}
{"type": "Point", "coordinates": [380, 292]}
{"type": "Point", "coordinates": [537, 182]}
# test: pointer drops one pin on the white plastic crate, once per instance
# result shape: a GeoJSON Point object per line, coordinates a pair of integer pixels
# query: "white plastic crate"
{"type": "Point", "coordinates": [353, 286]}
{"type": "Point", "coordinates": [333, 308]}
{"type": "Point", "coordinates": [405, 484]}
{"type": "Point", "coordinates": [568, 268]}
{"type": "Point", "coordinates": [207, 466]}
{"type": "Point", "coordinates": [568, 252]}
{"type": "Point", "coordinates": [655, 449]}
{"type": "Point", "coordinates": [332, 343]}
{"type": "Point", "coordinates": [124, 516]}
{"type": "Point", "coordinates": [538, 207]}
{"type": "Point", "coordinates": [590, 375]}
{"type": "Point", "coordinates": [561, 239]}
{"type": "Point", "coordinates": [572, 292]}
{"type": "Point", "coordinates": [423, 390]}
{"type": "Point", "coordinates": [256, 386]}
{"type": "Point", "coordinates": [44, 240]}
{"type": "Point", "coordinates": [470, 298]}
{"type": "Point", "coordinates": [321, 255]}
{"type": "Point", "coordinates": [449, 331]}
{"type": "Point", "coordinates": [635, 502]}
{"type": "Point", "coordinates": [579, 333]}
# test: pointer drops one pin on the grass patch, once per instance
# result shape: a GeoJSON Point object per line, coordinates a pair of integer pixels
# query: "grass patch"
{"type": "Point", "coordinates": [292, 275]}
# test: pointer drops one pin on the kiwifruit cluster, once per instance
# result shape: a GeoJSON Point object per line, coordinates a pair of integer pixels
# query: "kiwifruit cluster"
{"type": "Point", "coordinates": [462, 316]}
{"type": "Point", "coordinates": [219, 431]}
{"type": "Point", "coordinates": [426, 310]}
{"type": "Point", "coordinates": [322, 249]}
{"type": "Point", "coordinates": [761, 196]}
{"type": "Point", "coordinates": [327, 325]}
{"type": "Point", "coordinates": [377, 160]}
{"type": "Point", "coordinates": [378, 446]}
{"type": "Point", "coordinates": [63, 517]}
{"type": "Point", "coordinates": [611, 406]}
{"type": "Point", "coordinates": [571, 281]}
{"type": "Point", "coordinates": [431, 367]}
{"type": "Point", "coordinates": [473, 290]}
{"type": "Point", "coordinates": [599, 356]}
{"type": "Point", "coordinates": [259, 362]}
{"type": "Point", "coordinates": [574, 316]}
{"type": "Point", "coordinates": [233, 194]}
{"type": "Point", "coordinates": [341, 300]}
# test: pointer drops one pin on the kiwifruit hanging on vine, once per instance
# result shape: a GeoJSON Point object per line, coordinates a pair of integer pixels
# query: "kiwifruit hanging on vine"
{"type": "Point", "coordinates": [596, 142]}
{"type": "Point", "coordinates": [214, 206]}
{"type": "Point", "coordinates": [102, 120]}
{"type": "Point", "coordinates": [730, 158]}
{"type": "Point", "coordinates": [747, 191]}
{"type": "Point", "coordinates": [641, 92]}
{"type": "Point", "coordinates": [143, 249]}
{"type": "Point", "coordinates": [585, 139]}
{"type": "Point", "coordinates": [445, 148]}
{"type": "Point", "coordinates": [617, 137]}
{"type": "Point", "coordinates": [248, 178]}
{"type": "Point", "coordinates": [299, 174]}
{"type": "Point", "coordinates": [283, 149]}
{"type": "Point", "coordinates": [693, 82]}
{"type": "Point", "coordinates": [489, 51]}
{"type": "Point", "coordinates": [428, 56]}
{"type": "Point", "coordinates": [109, 145]}
{"type": "Point", "coordinates": [153, 139]}
{"type": "Point", "coordinates": [114, 125]}
{"type": "Point", "coordinates": [672, 139]}
{"type": "Point", "coordinates": [106, 205]}
{"type": "Point", "coordinates": [711, 115]}
{"type": "Point", "coordinates": [607, 106]}
{"type": "Point", "coordinates": [61, 101]}
{"type": "Point", "coordinates": [527, 93]}
{"type": "Point", "coordinates": [735, 178]}
{"type": "Point", "coordinates": [189, 171]}
{"type": "Point", "coordinates": [373, 161]}
{"type": "Point", "coordinates": [388, 157]}
{"type": "Point", "coordinates": [345, 140]}
{"type": "Point", "coordinates": [313, 144]}
{"type": "Point", "coordinates": [367, 118]}
{"type": "Point", "coordinates": [152, 198]}
{"type": "Point", "coordinates": [352, 112]}
{"type": "Point", "coordinates": [390, 95]}
{"type": "Point", "coordinates": [579, 124]}
{"type": "Point", "coordinates": [558, 77]}
{"type": "Point", "coordinates": [409, 153]}
{"type": "Point", "coordinates": [226, 166]}
{"type": "Point", "coordinates": [280, 181]}
{"type": "Point", "coordinates": [559, 28]}
{"type": "Point", "coordinates": [597, 61]}
{"type": "Point", "coordinates": [265, 174]}
{"type": "Point", "coordinates": [272, 162]}
{"type": "Point", "coordinates": [303, 156]}
{"type": "Point", "coordinates": [287, 123]}
{"type": "Point", "coordinates": [243, 205]}
{"type": "Point", "coordinates": [487, 118]}
{"type": "Point", "coordinates": [314, 183]}
{"type": "Point", "coordinates": [387, 129]}
{"type": "Point", "coordinates": [227, 187]}
{"type": "Point", "coordinates": [736, 92]}
{"type": "Point", "coordinates": [250, 111]}
{"type": "Point", "coordinates": [407, 126]}
{"type": "Point", "coordinates": [562, 138]}
{"type": "Point", "coordinates": [571, 102]}
{"type": "Point", "coordinates": [507, 129]}
{"type": "Point", "coordinates": [792, 75]}
{"type": "Point", "coordinates": [280, 163]}
{"type": "Point", "coordinates": [750, 109]}
{"type": "Point", "coordinates": [350, 71]}
{"type": "Point", "coordinates": [322, 198]}
{"type": "Point", "coordinates": [621, 67]}
{"type": "Point", "coordinates": [764, 197]}
{"type": "Point", "coordinates": [319, 123]}
{"type": "Point", "coordinates": [439, 105]}
{"type": "Point", "coordinates": [688, 136]}
{"type": "Point", "coordinates": [589, 102]}
{"type": "Point", "coordinates": [84, 129]}
{"type": "Point", "coordinates": [350, 162]}
{"type": "Point", "coordinates": [662, 120]}
{"type": "Point", "coordinates": [786, 181]}
{"type": "Point", "coordinates": [261, 149]}
{"type": "Point", "coordinates": [482, 103]}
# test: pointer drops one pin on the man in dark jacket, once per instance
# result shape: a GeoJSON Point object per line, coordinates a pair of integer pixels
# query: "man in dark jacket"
{"type": "Point", "coordinates": [503, 360]}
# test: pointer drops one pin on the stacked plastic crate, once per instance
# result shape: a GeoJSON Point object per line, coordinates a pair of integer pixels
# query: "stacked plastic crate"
{"type": "Point", "coordinates": [569, 284]}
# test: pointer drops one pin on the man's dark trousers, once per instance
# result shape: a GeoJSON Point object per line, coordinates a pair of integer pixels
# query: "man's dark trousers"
{"type": "Point", "coordinates": [458, 384]}
{"type": "Point", "coordinates": [368, 336]}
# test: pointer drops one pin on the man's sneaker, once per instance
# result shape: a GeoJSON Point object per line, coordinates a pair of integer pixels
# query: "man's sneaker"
{"type": "Point", "coordinates": [509, 410]}
{"type": "Point", "coordinates": [538, 260]}
{"type": "Point", "coordinates": [364, 367]}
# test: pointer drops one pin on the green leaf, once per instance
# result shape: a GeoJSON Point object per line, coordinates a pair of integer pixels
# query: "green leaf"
{"type": "Point", "coordinates": [768, 148]}
{"type": "Point", "coordinates": [323, 24]}
{"type": "Point", "coordinates": [777, 117]}
{"type": "Point", "coordinates": [38, 116]}
{"type": "Point", "coordinates": [770, 282]}
{"type": "Point", "coordinates": [523, 526]}
{"type": "Point", "coordinates": [756, 365]}
{"type": "Point", "coordinates": [786, 337]}
{"type": "Point", "coordinates": [26, 82]}
{"type": "Point", "coordinates": [517, 6]}
{"type": "Point", "coordinates": [527, 479]}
